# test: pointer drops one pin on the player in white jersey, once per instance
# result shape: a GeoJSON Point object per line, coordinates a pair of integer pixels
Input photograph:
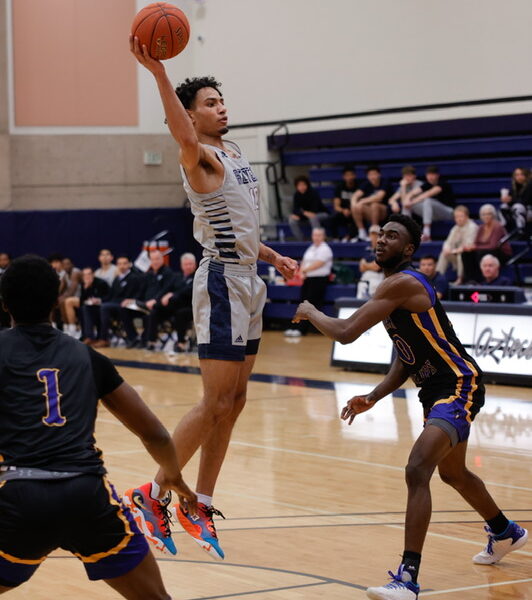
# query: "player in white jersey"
{"type": "Point", "coordinates": [228, 296]}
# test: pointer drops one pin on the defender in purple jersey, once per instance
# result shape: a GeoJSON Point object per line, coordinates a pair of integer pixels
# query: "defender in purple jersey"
{"type": "Point", "coordinates": [54, 492]}
{"type": "Point", "coordinates": [452, 393]}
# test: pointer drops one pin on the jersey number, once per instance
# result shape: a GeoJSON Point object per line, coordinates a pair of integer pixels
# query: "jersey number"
{"type": "Point", "coordinates": [50, 378]}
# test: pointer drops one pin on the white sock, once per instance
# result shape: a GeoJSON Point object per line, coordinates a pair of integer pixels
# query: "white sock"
{"type": "Point", "coordinates": [426, 230]}
{"type": "Point", "coordinates": [155, 492]}
{"type": "Point", "coordinates": [207, 500]}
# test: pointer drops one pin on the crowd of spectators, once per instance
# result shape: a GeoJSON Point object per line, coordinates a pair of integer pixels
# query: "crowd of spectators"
{"type": "Point", "coordinates": [360, 207]}
{"type": "Point", "coordinates": [119, 300]}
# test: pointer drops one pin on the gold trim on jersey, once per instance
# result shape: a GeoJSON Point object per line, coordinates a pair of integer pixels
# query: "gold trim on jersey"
{"type": "Point", "coordinates": [125, 541]}
{"type": "Point", "coordinates": [445, 356]}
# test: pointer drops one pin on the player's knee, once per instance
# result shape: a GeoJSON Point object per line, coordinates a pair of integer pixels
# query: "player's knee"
{"type": "Point", "coordinates": [416, 474]}
{"type": "Point", "coordinates": [222, 408]}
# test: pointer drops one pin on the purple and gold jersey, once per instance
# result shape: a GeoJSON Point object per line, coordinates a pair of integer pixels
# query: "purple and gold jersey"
{"type": "Point", "coordinates": [50, 385]}
{"type": "Point", "coordinates": [434, 356]}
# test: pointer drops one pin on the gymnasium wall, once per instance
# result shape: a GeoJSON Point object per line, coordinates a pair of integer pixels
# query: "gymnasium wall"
{"type": "Point", "coordinates": [277, 59]}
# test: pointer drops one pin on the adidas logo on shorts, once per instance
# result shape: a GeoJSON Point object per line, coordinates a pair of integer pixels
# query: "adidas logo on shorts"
{"type": "Point", "coordinates": [239, 340]}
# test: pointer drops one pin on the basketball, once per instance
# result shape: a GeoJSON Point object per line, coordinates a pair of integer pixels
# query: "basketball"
{"type": "Point", "coordinates": [162, 28]}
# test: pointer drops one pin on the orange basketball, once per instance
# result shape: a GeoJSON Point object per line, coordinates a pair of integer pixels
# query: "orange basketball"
{"type": "Point", "coordinates": [162, 28]}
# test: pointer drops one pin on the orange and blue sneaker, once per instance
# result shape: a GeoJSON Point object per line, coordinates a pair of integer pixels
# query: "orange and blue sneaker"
{"type": "Point", "coordinates": [152, 517]}
{"type": "Point", "coordinates": [201, 528]}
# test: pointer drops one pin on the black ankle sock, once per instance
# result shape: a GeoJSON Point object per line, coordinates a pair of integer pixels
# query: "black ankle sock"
{"type": "Point", "coordinates": [411, 561]}
{"type": "Point", "coordinates": [498, 524]}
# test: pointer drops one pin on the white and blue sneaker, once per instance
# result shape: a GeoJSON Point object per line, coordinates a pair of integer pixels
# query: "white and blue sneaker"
{"type": "Point", "coordinates": [401, 587]}
{"type": "Point", "coordinates": [513, 538]}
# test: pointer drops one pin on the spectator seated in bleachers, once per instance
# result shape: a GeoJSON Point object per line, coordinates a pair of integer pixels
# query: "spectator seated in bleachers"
{"type": "Point", "coordinates": [406, 188]}
{"type": "Point", "coordinates": [315, 269]}
{"type": "Point", "coordinates": [487, 241]}
{"type": "Point", "coordinates": [433, 201]}
{"type": "Point", "coordinates": [107, 270]}
{"type": "Point", "coordinates": [369, 203]}
{"type": "Point", "coordinates": [157, 282]}
{"type": "Point", "coordinates": [516, 202]}
{"type": "Point", "coordinates": [490, 268]}
{"type": "Point", "coordinates": [461, 236]}
{"type": "Point", "coordinates": [176, 304]}
{"type": "Point", "coordinates": [71, 293]}
{"type": "Point", "coordinates": [427, 266]}
{"type": "Point", "coordinates": [125, 285]}
{"type": "Point", "coordinates": [72, 304]}
{"type": "Point", "coordinates": [372, 274]}
{"type": "Point", "coordinates": [307, 207]}
{"type": "Point", "coordinates": [93, 291]}
{"type": "Point", "coordinates": [341, 216]}
{"type": "Point", "coordinates": [5, 261]}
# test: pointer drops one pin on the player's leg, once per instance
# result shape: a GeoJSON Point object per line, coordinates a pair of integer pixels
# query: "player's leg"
{"type": "Point", "coordinates": [144, 582]}
{"type": "Point", "coordinates": [429, 450]}
{"type": "Point", "coordinates": [215, 446]}
{"type": "Point", "coordinates": [503, 535]}
{"type": "Point", "coordinates": [210, 425]}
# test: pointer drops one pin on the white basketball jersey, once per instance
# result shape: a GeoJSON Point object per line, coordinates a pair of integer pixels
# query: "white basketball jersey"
{"type": "Point", "coordinates": [226, 221]}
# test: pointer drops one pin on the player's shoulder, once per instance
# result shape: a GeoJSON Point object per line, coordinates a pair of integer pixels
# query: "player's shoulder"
{"type": "Point", "coordinates": [403, 283]}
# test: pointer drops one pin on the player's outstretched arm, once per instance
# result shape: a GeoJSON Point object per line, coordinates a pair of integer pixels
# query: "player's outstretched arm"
{"type": "Point", "coordinates": [394, 379]}
{"type": "Point", "coordinates": [129, 408]}
{"type": "Point", "coordinates": [285, 265]}
{"type": "Point", "coordinates": [391, 294]}
{"type": "Point", "coordinates": [177, 117]}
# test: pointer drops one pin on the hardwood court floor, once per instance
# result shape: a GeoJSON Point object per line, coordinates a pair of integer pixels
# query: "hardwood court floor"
{"type": "Point", "coordinates": [316, 508]}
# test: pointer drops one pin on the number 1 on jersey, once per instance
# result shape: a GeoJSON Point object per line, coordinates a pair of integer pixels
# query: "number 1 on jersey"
{"type": "Point", "coordinates": [50, 378]}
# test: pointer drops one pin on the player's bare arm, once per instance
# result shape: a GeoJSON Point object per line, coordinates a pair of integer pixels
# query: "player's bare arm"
{"type": "Point", "coordinates": [204, 170]}
{"type": "Point", "coordinates": [285, 265]}
{"type": "Point", "coordinates": [397, 291]}
{"type": "Point", "coordinates": [394, 379]}
{"type": "Point", "coordinates": [128, 407]}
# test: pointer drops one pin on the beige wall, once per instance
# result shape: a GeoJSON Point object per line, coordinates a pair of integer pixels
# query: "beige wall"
{"type": "Point", "coordinates": [93, 171]}
{"type": "Point", "coordinates": [71, 63]}
{"type": "Point", "coordinates": [5, 185]}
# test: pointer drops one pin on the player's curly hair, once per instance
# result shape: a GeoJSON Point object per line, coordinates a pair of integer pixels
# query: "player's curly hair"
{"type": "Point", "coordinates": [29, 289]}
{"type": "Point", "coordinates": [187, 90]}
{"type": "Point", "coordinates": [411, 226]}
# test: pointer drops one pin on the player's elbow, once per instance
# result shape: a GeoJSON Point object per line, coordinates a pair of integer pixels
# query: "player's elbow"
{"type": "Point", "coordinates": [345, 337]}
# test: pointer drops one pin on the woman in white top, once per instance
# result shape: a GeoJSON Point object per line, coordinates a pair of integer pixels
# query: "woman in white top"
{"type": "Point", "coordinates": [315, 268]}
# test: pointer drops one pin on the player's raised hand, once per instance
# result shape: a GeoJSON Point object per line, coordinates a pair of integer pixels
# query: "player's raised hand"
{"type": "Point", "coordinates": [303, 311]}
{"type": "Point", "coordinates": [286, 266]}
{"type": "Point", "coordinates": [142, 55]}
{"type": "Point", "coordinates": [355, 406]}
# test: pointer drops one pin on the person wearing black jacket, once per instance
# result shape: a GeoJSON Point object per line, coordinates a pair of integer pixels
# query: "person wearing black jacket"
{"type": "Point", "coordinates": [125, 285]}
{"type": "Point", "coordinates": [176, 304]}
{"type": "Point", "coordinates": [93, 290]}
{"type": "Point", "coordinates": [157, 282]}
{"type": "Point", "coordinates": [307, 207]}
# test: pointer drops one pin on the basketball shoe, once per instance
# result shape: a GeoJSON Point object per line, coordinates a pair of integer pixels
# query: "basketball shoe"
{"type": "Point", "coordinates": [513, 538]}
{"type": "Point", "coordinates": [201, 528]}
{"type": "Point", "coordinates": [401, 587]}
{"type": "Point", "coordinates": [152, 517]}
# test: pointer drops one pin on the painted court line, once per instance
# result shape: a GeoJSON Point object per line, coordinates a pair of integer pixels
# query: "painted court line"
{"type": "Point", "coordinates": [455, 539]}
{"type": "Point", "coordinates": [474, 587]}
{"type": "Point", "coordinates": [355, 461]}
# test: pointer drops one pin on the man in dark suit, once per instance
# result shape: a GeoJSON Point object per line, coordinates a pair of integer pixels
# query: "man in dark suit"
{"type": "Point", "coordinates": [157, 282]}
{"type": "Point", "coordinates": [125, 285]}
{"type": "Point", "coordinates": [176, 304]}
